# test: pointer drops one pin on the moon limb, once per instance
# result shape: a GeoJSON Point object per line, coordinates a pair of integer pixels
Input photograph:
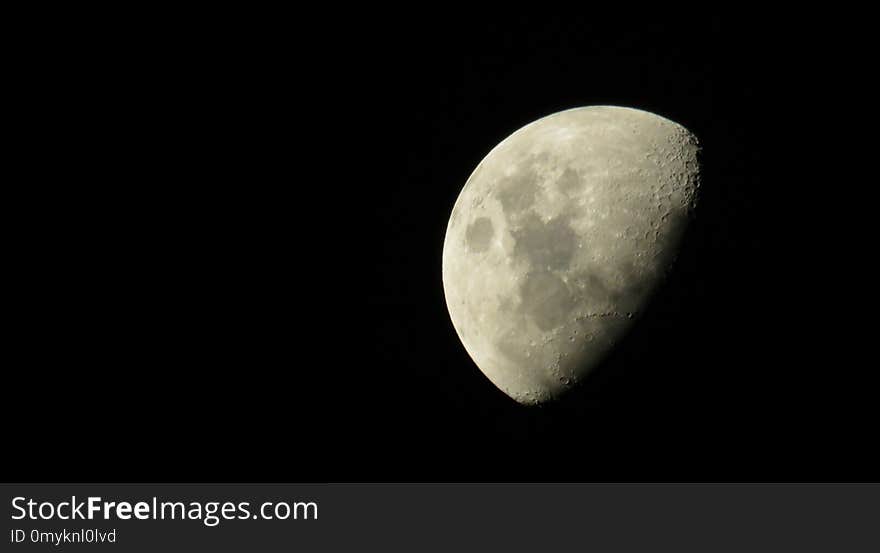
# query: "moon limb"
{"type": "Point", "coordinates": [558, 239]}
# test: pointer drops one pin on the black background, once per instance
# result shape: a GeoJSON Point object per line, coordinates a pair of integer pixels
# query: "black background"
{"type": "Point", "coordinates": [231, 245]}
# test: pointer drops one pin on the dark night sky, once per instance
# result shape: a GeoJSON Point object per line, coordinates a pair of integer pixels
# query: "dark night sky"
{"type": "Point", "coordinates": [233, 260]}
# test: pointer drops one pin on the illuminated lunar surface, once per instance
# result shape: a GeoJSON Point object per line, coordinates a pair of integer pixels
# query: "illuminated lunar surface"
{"type": "Point", "coordinates": [558, 239]}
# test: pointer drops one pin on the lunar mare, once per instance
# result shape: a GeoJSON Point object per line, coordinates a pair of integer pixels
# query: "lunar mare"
{"type": "Point", "coordinates": [559, 238]}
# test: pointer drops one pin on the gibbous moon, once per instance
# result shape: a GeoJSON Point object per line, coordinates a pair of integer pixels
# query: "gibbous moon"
{"type": "Point", "coordinates": [558, 239]}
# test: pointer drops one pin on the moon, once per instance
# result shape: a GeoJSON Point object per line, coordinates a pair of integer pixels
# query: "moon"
{"type": "Point", "coordinates": [560, 237]}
